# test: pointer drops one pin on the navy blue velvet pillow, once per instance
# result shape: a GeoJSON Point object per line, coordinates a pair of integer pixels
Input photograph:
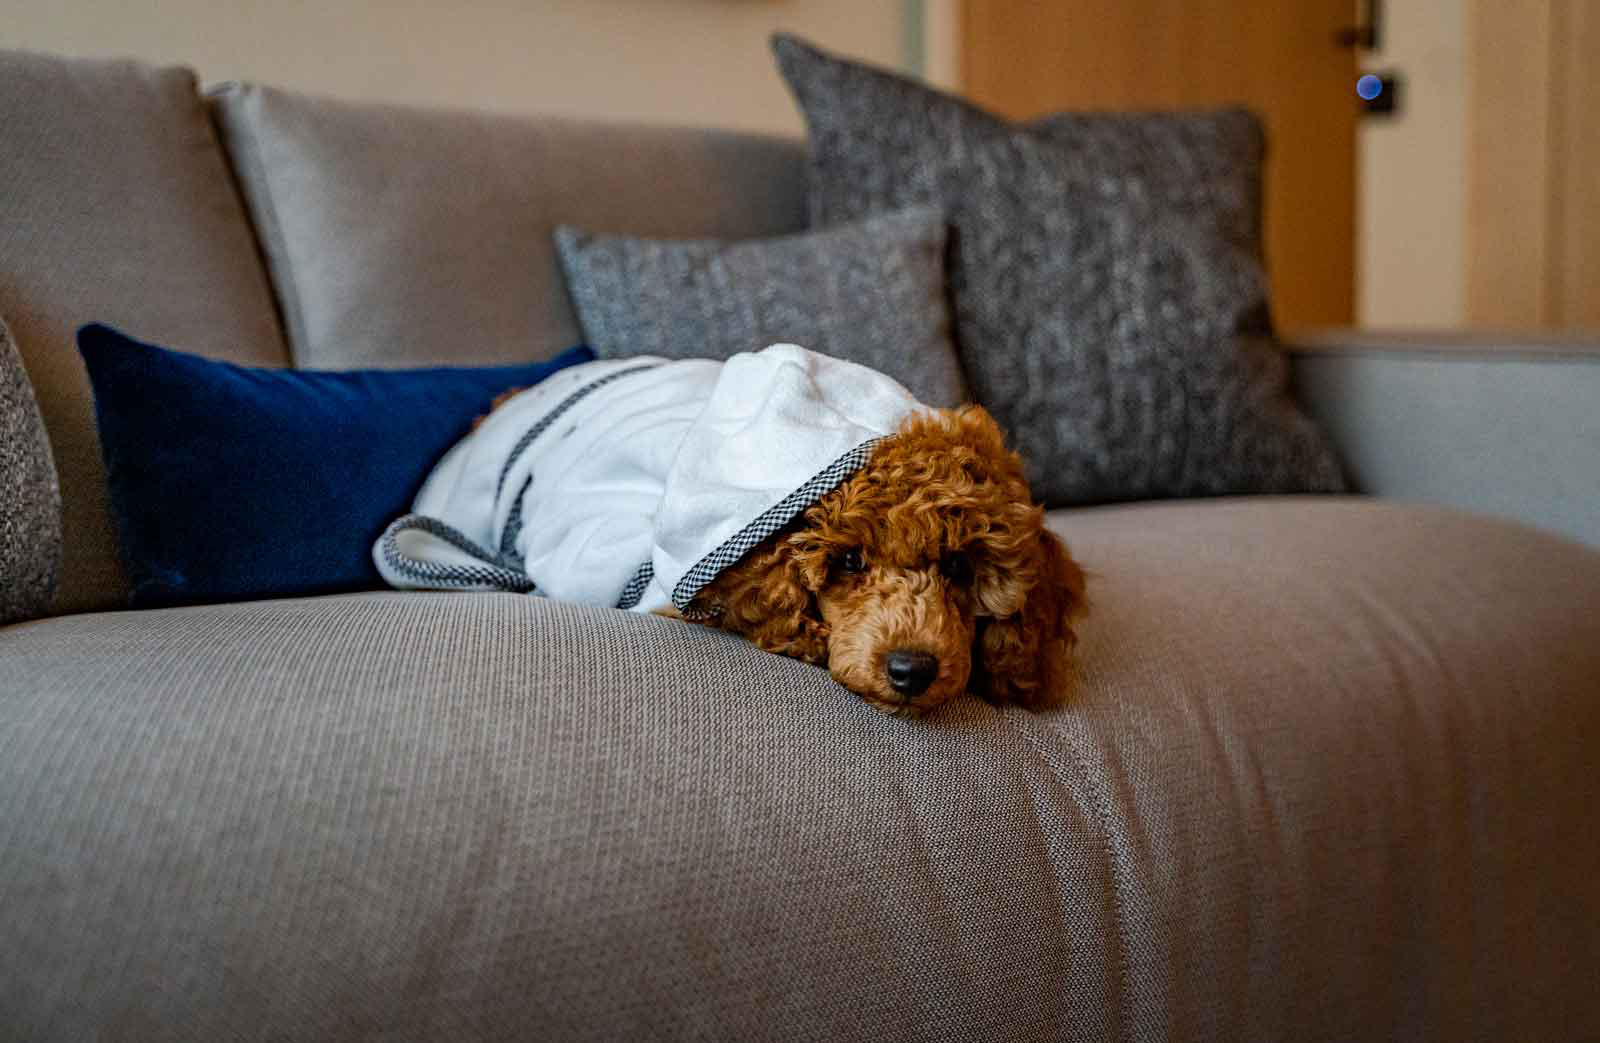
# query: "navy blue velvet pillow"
{"type": "Point", "coordinates": [229, 483]}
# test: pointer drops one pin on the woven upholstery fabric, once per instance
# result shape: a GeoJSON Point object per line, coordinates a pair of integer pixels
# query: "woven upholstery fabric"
{"type": "Point", "coordinates": [403, 236]}
{"type": "Point", "coordinates": [116, 206]}
{"type": "Point", "coordinates": [1328, 775]}
{"type": "Point", "coordinates": [30, 524]}
{"type": "Point", "coordinates": [870, 291]}
{"type": "Point", "coordinates": [1110, 313]}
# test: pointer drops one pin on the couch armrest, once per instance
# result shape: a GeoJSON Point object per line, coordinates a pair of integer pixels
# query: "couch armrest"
{"type": "Point", "coordinates": [1507, 424]}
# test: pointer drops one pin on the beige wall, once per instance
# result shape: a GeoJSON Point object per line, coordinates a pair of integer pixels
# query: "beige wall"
{"type": "Point", "coordinates": [1533, 146]}
{"type": "Point", "coordinates": [1411, 194]}
{"type": "Point", "coordinates": [686, 61]}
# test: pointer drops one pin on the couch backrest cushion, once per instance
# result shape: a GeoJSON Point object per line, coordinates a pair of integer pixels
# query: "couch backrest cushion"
{"type": "Point", "coordinates": [400, 236]}
{"type": "Point", "coordinates": [116, 205]}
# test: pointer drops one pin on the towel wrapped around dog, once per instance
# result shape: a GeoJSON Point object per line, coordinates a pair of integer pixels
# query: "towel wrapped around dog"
{"type": "Point", "coordinates": [634, 482]}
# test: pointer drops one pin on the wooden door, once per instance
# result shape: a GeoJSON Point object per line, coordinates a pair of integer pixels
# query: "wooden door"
{"type": "Point", "coordinates": [1022, 58]}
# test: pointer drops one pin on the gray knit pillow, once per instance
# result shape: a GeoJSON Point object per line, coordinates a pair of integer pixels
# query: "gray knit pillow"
{"type": "Point", "coordinates": [870, 291]}
{"type": "Point", "coordinates": [30, 498]}
{"type": "Point", "coordinates": [1110, 307]}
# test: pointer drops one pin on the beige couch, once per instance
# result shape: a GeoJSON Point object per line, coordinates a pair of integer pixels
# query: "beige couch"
{"type": "Point", "coordinates": [1329, 772]}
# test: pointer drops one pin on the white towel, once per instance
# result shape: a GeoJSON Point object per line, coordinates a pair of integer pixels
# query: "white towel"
{"type": "Point", "coordinates": [634, 482]}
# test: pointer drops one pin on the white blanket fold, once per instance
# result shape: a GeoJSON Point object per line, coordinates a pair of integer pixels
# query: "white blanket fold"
{"type": "Point", "coordinates": [633, 482]}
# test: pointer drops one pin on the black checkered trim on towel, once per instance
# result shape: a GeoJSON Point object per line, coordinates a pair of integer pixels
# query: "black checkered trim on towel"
{"type": "Point", "coordinates": [637, 586]}
{"type": "Point", "coordinates": [769, 522]}
{"type": "Point", "coordinates": [513, 529]}
{"type": "Point", "coordinates": [496, 571]}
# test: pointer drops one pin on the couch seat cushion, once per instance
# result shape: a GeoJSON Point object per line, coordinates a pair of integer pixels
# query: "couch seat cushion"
{"type": "Point", "coordinates": [1329, 775]}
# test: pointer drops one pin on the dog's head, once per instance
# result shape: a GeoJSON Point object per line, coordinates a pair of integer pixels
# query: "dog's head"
{"type": "Point", "coordinates": [928, 573]}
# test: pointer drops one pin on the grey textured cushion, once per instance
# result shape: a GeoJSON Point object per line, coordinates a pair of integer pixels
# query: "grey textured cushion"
{"type": "Point", "coordinates": [401, 236]}
{"type": "Point", "coordinates": [116, 206]}
{"type": "Point", "coordinates": [1113, 318]}
{"type": "Point", "coordinates": [30, 498]}
{"type": "Point", "coordinates": [869, 291]}
{"type": "Point", "coordinates": [1204, 163]}
{"type": "Point", "coordinates": [1329, 775]}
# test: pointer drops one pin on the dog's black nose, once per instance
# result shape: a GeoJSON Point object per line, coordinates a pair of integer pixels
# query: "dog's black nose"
{"type": "Point", "coordinates": [911, 672]}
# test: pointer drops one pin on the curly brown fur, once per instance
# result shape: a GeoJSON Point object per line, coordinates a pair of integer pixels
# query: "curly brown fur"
{"type": "Point", "coordinates": [934, 547]}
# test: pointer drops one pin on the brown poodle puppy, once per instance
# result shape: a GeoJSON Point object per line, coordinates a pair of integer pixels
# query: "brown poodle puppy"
{"type": "Point", "coordinates": [926, 574]}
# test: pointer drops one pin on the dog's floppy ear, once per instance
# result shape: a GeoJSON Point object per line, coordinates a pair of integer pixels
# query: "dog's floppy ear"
{"type": "Point", "coordinates": [764, 598]}
{"type": "Point", "coordinates": [1025, 658]}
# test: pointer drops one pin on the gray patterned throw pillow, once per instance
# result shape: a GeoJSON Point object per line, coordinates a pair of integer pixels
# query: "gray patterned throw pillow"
{"type": "Point", "coordinates": [30, 499]}
{"type": "Point", "coordinates": [1110, 308]}
{"type": "Point", "coordinates": [868, 291]}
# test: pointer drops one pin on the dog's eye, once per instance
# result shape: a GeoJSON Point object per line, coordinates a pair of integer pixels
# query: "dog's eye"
{"type": "Point", "coordinates": [957, 568]}
{"type": "Point", "coordinates": [852, 561]}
